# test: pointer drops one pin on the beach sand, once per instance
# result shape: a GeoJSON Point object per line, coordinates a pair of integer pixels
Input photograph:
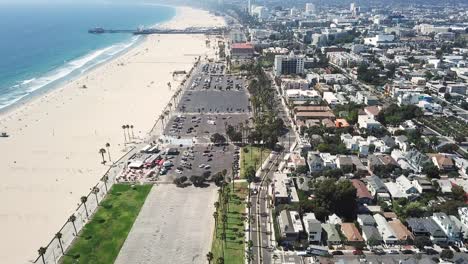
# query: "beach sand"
{"type": "Point", "coordinates": [51, 158]}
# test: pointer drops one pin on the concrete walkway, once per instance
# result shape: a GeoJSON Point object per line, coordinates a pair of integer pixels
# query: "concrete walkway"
{"type": "Point", "coordinates": [175, 225]}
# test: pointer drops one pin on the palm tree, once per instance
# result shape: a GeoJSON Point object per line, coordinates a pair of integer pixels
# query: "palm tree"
{"type": "Point", "coordinates": [133, 135]}
{"type": "Point", "coordinates": [108, 151]}
{"type": "Point", "coordinates": [125, 135]}
{"type": "Point", "coordinates": [128, 132]}
{"type": "Point", "coordinates": [95, 190]}
{"type": "Point", "coordinates": [58, 236]}
{"type": "Point", "coordinates": [215, 216]}
{"type": "Point", "coordinates": [105, 179]}
{"type": "Point", "coordinates": [42, 251]}
{"type": "Point", "coordinates": [102, 152]}
{"type": "Point", "coordinates": [72, 219]}
{"type": "Point", "coordinates": [162, 120]}
{"type": "Point", "coordinates": [209, 257]}
{"type": "Point", "coordinates": [84, 199]}
{"type": "Point", "coordinates": [220, 261]}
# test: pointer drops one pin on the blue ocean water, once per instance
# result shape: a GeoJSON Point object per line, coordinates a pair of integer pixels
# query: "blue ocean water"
{"type": "Point", "coordinates": [42, 45]}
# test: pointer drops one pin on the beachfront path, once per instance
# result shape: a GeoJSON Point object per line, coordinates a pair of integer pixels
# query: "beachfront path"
{"type": "Point", "coordinates": [175, 225]}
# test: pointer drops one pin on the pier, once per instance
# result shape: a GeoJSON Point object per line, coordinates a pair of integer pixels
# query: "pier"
{"type": "Point", "coordinates": [205, 31]}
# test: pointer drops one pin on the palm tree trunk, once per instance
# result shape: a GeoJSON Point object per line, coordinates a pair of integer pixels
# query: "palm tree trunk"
{"type": "Point", "coordinates": [108, 154]}
{"type": "Point", "coordinates": [61, 246]}
{"type": "Point", "coordinates": [103, 159]}
{"type": "Point", "coordinates": [74, 227]}
{"type": "Point", "coordinates": [86, 210]}
{"type": "Point", "coordinates": [97, 200]}
{"type": "Point", "coordinates": [125, 137]}
{"type": "Point", "coordinates": [105, 185]}
{"type": "Point", "coordinates": [43, 260]}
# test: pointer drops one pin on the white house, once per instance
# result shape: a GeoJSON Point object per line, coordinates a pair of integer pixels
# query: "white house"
{"type": "Point", "coordinates": [388, 235]}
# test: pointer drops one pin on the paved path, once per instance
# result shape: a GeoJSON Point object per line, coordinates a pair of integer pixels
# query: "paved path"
{"type": "Point", "coordinates": [175, 225]}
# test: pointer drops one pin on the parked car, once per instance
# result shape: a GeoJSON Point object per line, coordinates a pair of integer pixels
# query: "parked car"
{"type": "Point", "coordinates": [407, 251]}
{"type": "Point", "coordinates": [455, 248]}
{"type": "Point", "coordinates": [337, 253]}
{"type": "Point", "coordinates": [378, 251]}
{"type": "Point", "coordinates": [430, 251]}
{"type": "Point", "coordinates": [393, 251]}
{"type": "Point", "coordinates": [358, 252]}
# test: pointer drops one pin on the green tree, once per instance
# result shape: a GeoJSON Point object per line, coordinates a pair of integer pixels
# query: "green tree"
{"type": "Point", "coordinates": [446, 254]}
{"type": "Point", "coordinates": [249, 174]}
{"type": "Point", "coordinates": [209, 257]}
{"type": "Point", "coordinates": [422, 241]}
{"type": "Point", "coordinates": [431, 171]}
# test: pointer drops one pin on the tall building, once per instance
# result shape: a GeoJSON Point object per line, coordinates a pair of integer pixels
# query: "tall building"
{"type": "Point", "coordinates": [354, 9]}
{"type": "Point", "coordinates": [310, 8]}
{"type": "Point", "coordinates": [289, 64]}
{"type": "Point", "coordinates": [249, 6]}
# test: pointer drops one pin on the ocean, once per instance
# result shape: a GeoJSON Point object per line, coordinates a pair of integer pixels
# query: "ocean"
{"type": "Point", "coordinates": [44, 45]}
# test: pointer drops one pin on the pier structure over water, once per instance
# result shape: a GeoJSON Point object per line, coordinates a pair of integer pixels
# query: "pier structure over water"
{"type": "Point", "coordinates": [206, 31]}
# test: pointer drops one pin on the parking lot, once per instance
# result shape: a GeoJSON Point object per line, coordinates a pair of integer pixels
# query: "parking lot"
{"type": "Point", "coordinates": [201, 127]}
{"type": "Point", "coordinates": [211, 102]}
{"type": "Point", "coordinates": [200, 160]}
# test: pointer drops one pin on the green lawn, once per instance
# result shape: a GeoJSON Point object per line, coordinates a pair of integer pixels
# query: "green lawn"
{"type": "Point", "coordinates": [234, 248]}
{"type": "Point", "coordinates": [252, 157]}
{"type": "Point", "coordinates": [101, 239]}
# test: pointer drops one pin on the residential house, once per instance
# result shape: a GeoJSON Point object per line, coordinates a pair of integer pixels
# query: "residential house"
{"type": "Point", "coordinates": [313, 228]}
{"type": "Point", "coordinates": [368, 122]}
{"type": "Point", "coordinates": [402, 233]}
{"type": "Point", "coordinates": [463, 213]}
{"type": "Point", "coordinates": [331, 235]}
{"type": "Point", "coordinates": [371, 235]}
{"type": "Point", "coordinates": [402, 142]}
{"type": "Point", "coordinates": [290, 225]}
{"type": "Point", "coordinates": [363, 196]}
{"type": "Point", "coordinates": [402, 188]}
{"type": "Point", "coordinates": [381, 163]}
{"type": "Point", "coordinates": [443, 162]}
{"type": "Point", "coordinates": [388, 235]}
{"type": "Point", "coordinates": [353, 237]}
{"type": "Point", "coordinates": [281, 194]}
{"type": "Point", "coordinates": [423, 185]}
{"type": "Point", "coordinates": [345, 163]}
{"type": "Point", "coordinates": [451, 230]}
{"type": "Point", "coordinates": [461, 226]}
{"type": "Point", "coordinates": [334, 220]}
{"type": "Point", "coordinates": [314, 161]}
{"type": "Point", "coordinates": [377, 187]}
{"type": "Point", "coordinates": [417, 227]}
{"type": "Point", "coordinates": [365, 220]}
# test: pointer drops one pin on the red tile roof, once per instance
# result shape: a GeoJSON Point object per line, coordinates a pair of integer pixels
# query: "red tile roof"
{"type": "Point", "coordinates": [361, 189]}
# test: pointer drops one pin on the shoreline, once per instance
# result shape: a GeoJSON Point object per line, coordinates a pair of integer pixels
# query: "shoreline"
{"type": "Point", "coordinates": [60, 83]}
{"type": "Point", "coordinates": [51, 157]}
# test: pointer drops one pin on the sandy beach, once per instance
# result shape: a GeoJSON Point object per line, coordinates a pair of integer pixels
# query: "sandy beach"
{"type": "Point", "coordinates": [51, 158]}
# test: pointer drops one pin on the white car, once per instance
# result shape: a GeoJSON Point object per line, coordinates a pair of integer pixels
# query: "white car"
{"type": "Point", "coordinates": [178, 171]}
{"type": "Point", "coordinates": [207, 166]}
{"type": "Point", "coordinates": [201, 166]}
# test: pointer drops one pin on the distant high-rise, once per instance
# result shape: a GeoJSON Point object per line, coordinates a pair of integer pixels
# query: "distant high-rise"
{"type": "Point", "coordinates": [249, 6]}
{"type": "Point", "coordinates": [354, 9]}
{"type": "Point", "coordinates": [289, 64]}
{"type": "Point", "coordinates": [310, 8]}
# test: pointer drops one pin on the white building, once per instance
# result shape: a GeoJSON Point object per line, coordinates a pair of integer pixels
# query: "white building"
{"type": "Point", "coordinates": [388, 235]}
{"type": "Point", "coordinates": [367, 122]}
{"type": "Point", "coordinates": [380, 40]}
{"type": "Point", "coordinates": [289, 64]}
{"type": "Point", "coordinates": [313, 228]}
{"type": "Point", "coordinates": [310, 9]}
{"type": "Point", "coordinates": [330, 98]}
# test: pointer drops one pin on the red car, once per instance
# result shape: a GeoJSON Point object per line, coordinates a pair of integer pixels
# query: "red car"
{"type": "Point", "coordinates": [357, 252]}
